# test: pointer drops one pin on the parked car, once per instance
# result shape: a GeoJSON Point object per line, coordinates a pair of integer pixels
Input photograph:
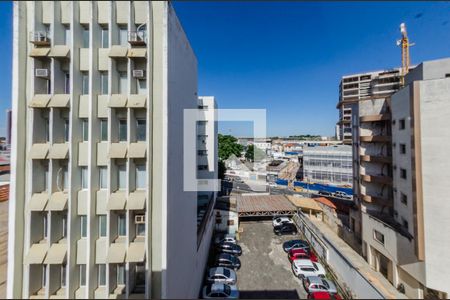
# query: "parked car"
{"type": "Point", "coordinates": [301, 254]}
{"type": "Point", "coordinates": [227, 238]}
{"type": "Point", "coordinates": [325, 193]}
{"type": "Point", "coordinates": [221, 275]}
{"type": "Point", "coordinates": [343, 195]}
{"type": "Point", "coordinates": [220, 290]}
{"type": "Point", "coordinates": [272, 184]}
{"type": "Point", "coordinates": [317, 284]}
{"type": "Point", "coordinates": [295, 244]}
{"type": "Point", "coordinates": [324, 296]}
{"type": "Point", "coordinates": [277, 221]}
{"type": "Point", "coordinates": [285, 229]}
{"type": "Point", "coordinates": [228, 260]}
{"type": "Point", "coordinates": [229, 248]}
{"type": "Point", "coordinates": [303, 268]}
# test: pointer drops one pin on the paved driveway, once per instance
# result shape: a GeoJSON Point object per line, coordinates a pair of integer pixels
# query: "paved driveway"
{"type": "Point", "coordinates": [265, 269]}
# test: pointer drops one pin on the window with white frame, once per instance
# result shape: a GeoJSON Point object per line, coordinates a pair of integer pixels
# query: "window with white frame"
{"type": "Point", "coordinates": [101, 274]}
{"type": "Point", "coordinates": [85, 129]}
{"type": "Point", "coordinates": [141, 129]}
{"type": "Point", "coordinates": [122, 177]}
{"type": "Point", "coordinates": [121, 274]}
{"type": "Point", "coordinates": [82, 270]}
{"type": "Point", "coordinates": [105, 37]}
{"type": "Point", "coordinates": [103, 130]}
{"type": "Point", "coordinates": [104, 83]}
{"type": "Point", "coordinates": [141, 172]}
{"type": "Point", "coordinates": [102, 225]}
{"type": "Point", "coordinates": [103, 174]}
{"type": "Point", "coordinates": [123, 36]}
{"type": "Point", "coordinates": [67, 37]}
{"type": "Point", "coordinates": [85, 37]}
{"type": "Point", "coordinates": [83, 226]}
{"type": "Point", "coordinates": [84, 177]}
{"type": "Point", "coordinates": [85, 83]}
{"type": "Point", "coordinates": [123, 130]}
{"type": "Point", "coordinates": [121, 225]}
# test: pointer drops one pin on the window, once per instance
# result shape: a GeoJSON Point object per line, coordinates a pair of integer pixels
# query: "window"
{"type": "Point", "coordinates": [102, 275]}
{"type": "Point", "coordinates": [85, 83]}
{"type": "Point", "coordinates": [123, 130]}
{"type": "Point", "coordinates": [64, 225]}
{"type": "Point", "coordinates": [46, 178]}
{"type": "Point", "coordinates": [65, 178]}
{"type": "Point", "coordinates": [403, 199]}
{"type": "Point", "coordinates": [123, 83]}
{"type": "Point", "coordinates": [121, 274]}
{"type": "Point", "coordinates": [44, 275]}
{"type": "Point", "coordinates": [103, 130]}
{"type": "Point", "coordinates": [402, 149]}
{"type": "Point", "coordinates": [66, 130]}
{"type": "Point", "coordinates": [82, 270]}
{"type": "Point", "coordinates": [105, 38]}
{"type": "Point", "coordinates": [63, 275]}
{"type": "Point", "coordinates": [140, 229]}
{"type": "Point", "coordinates": [140, 176]}
{"type": "Point", "coordinates": [67, 35]}
{"type": "Point", "coordinates": [402, 173]}
{"type": "Point", "coordinates": [85, 38]}
{"type": "Point", "coordinates": [83, 226]}
{"type": "Point", "coordinates": [405, 224]}
{"type": "Point", "coordinates": [66, 83]}
{"type": "Point", "coordinates": [102, 225]}
{"type": "Point", "coordinates": [378, 236]}
{"type": "Point", "coordinates": [47, 130]}
{"type": "Point", "coordinates": [401, 124]}
{"type": "Point", "coordinates": [202, 167]}
{"type": "Point", "coordinates": [84, 178]}
{"type": "Point", "coordinates": [85, 129]}
{"type": "Point", "coordinates": [141, 126]}
{"type": "Point", "coordinates": [104, 83]}
{"type": "Point", "coordinates": [122, 177]}
{"type": "Point", "coordinates": [103, 174]}
{"type": "Point", "coordinates": [45, 225]}
{"type": "Point", "coordinates": [121, 225]}
{"type": "Point", "coordinates": [123, 36]}
{"type": "Point", "coordinates": [142, 86]}
{"type": "Point", "coordinates": [230, 222]}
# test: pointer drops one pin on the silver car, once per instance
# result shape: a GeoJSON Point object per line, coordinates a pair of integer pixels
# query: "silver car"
{"type": "Point", "coordinates": [221, 275]}
{"type": "Point", "coordinates": [220, 290]}
{"type": "Point", "coordinates": [318, 284]}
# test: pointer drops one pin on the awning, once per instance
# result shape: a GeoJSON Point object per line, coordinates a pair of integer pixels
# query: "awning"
{"type": "Point", "coordinates": [137, 101]}
{"type": "Point", "coordinates": [60, 100]}
{"type": "Point", "coordinates": [137, 52]}
{"type": "Point", "coordinates": [39, 151]}
{"type": "Point", "coordinates": [36, 254]}
{"type": "Point", "coordinates": [137, 150]}
{"type": "Point", "coordinates": [38, 201]}
{"type": "Point", "coordinates": [116, 253]}
{"type": "Point", "coordinates": [118, 51]}
{"type": "Point", "coordinates": [40, 100]}
{"type": "Point", "coordinates": [57, 202]}
{"type": "Point", "coordinates": [117, 201]}
{"type": "Point", "coordinates": [39, 52]}
{"type": "Point", "coordinates": [117, 100]}
{"type": "Point", "coordinates": [136, 200]}
{"type": "Point", "coordinates": [117, 150]}
{"type": "Point", "coordinates": [59, 151]}
{"type": "Point", "coordinates": [61, 51]}
{"type": "Point", "coordinates": [56, 254]}
{"type": "Point", "coordinates": [136, 253]}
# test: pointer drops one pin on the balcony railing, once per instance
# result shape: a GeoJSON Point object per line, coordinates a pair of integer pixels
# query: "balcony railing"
{"type": "Point", "coordinates": [376, 158]}
{"type": "Point", "coordinates": [137, 38]}
{"type": "Point", "coordinates": [375, 199]}
{"type": "Point", "coordinates": [375, 118]}
{"type": "Point", "coordinates": [39, 38]}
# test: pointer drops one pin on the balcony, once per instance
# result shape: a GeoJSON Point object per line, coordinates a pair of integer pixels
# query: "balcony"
{"type": "Point", "coordinates": [137, 38]}
{"type": "Point", "coordinates": [376, 200]}
{"type": "Point", "coordinates": [375, 138]}
{"type": "Point", "coordinates": [39, 38]}
{"type": "Point", "coordinates": [376, 158]}
{"type": "Point", "coordinates": [375, 118]}
{"type": "Point", "coordinates": [382, 179]}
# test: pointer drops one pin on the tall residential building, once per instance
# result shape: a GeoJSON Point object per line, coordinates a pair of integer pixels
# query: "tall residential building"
{"type": "Point", "coordinates": [364, 86]}
{"type": "Point", "coordinates": [328, 164]}
{"type": "Point", "coordinates": [401, 179]}
{"type": "Point", "coordinates": [98, 205]}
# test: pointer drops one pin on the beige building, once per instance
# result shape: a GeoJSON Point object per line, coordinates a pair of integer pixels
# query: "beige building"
{"type": "Point", "coordinates": [401, 181]}
{"type": "Point", "coordinates": [98, 208]}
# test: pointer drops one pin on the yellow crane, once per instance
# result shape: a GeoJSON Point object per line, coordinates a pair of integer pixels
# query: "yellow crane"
{"type": "Point", "coordinates": [404, 45]}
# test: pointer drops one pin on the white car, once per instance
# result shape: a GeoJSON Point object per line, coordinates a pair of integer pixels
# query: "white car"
{"type": "Point", "coordinates": [221, 275]}
{"type": "Point", "coordinates": [277, 221]}
{"type": "Point", "coordinates": [227, 238]}
{"type": "Point", "coordinates": [303, 268]}
{"type": "Point", "coordinates": [343, 195]}
{"type": "Point", "coordinates": [220, 290]}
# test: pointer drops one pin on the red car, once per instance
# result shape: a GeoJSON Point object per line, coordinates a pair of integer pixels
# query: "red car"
{"type": "Point", "coordinates": [324, 295]}
{"type": "Point", "coordinates": [301, 254]}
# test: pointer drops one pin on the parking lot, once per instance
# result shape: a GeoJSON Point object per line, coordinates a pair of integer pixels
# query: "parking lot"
{"type": "Point", "coordinates": [265, 269]}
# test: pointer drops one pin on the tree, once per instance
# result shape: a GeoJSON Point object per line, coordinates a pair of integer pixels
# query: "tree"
{"type": "Point", "coordinates": [222, 169]}
{"type": "Point", "coordinates": [227, 146]}
{"type": "Point", "coordinates": [254, 153]}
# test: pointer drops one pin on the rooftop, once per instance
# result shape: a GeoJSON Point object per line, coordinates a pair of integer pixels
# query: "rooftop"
{"type": "Point", "coordinates": [264, 205]}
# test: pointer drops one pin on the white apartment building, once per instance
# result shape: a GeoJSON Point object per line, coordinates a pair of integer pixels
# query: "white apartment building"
{"type": "Point", "coordinates": [98, 208]}
{"type": "Point", "coordinates": [402, 182]}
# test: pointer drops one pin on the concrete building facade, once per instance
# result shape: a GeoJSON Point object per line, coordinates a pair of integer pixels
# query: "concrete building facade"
{"type": "Point", "coordinates": [401, 180]}
{"type": "Point", "coordinates": [99, 209]}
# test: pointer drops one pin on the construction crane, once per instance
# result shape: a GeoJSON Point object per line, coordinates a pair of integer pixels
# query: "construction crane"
{"type": "Point", "coordinates": [404, 44]}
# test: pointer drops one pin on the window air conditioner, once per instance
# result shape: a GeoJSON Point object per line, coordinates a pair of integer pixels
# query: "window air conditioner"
{"type": "Point", "coordinates": [139, 219]}
{"type": "Point", "coordinates": [42, 73]}
{"type": "Point", "coordinates": [138, 73]}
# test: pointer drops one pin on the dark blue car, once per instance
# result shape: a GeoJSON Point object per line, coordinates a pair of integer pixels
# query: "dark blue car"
{"type": "Point", "coordinates": [287, 246]}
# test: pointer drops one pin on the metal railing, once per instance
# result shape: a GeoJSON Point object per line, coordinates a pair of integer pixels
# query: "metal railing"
{"type": "Point", "coordinates": [137, 36]}
{"type": "Point", "coordinates": [39, 37]}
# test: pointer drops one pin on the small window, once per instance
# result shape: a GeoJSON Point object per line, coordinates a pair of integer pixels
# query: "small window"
{"type": "Point", "coordinates": [378, 236]}
{"type": "Point", "coordinates": [84, 83]}
{"type": "Point", "coordinates": [82, 270]}
{"type": "Point", "coordinates": [103, 174]}
{"type": "Point", "coordinates": [141, 176]}
{"type": "Point", "coordinates": [142, 86]}
{"type": "Point", "coordinates": [103, 130]}
{"type": "Point", "coordinates": [105, 38]}
{"type": "Point", "coordinates": [121, 274]}
{"type": "Point", "coordinates": [402, 149]}
{"type": "Point", "coordinates": [123, 83]}
{"type": "Point", "coordinates": [121, 225]}
{"type": "Point", "coordinates": [46, 178]}
{"type": "Point", "coordinates": [123, 36]}
{"type": "Point", "coordinates": [85, 129]}
{"type": "Point", "coordinates": [403, 173]}
{"type": "Point", "coordinates": [401, 124]}
{"type": "Point", "coordinates": [64, 225]}
{"type": "Point", "coordinates": [83, 226]}
{"type": "Point", "coordinates": [403, 199]}
{"type": "Point", "coordinates": [140, 229]}
{"type": "Point", "coordinates": [104, 83]}
{"type": "Point", "coordinates": [65, 177]}
{"type": "Point", "coordinates": [67, 37]}
{"type": "Point", "coordinates": [45, 225]}
{"type": "Point", "coordinates": [202, 167]}
{"type": "Point", "coordinates": [405, 224]}
{"type": "Point", "coordinates": [47, 130]}
{"type": "Point", "coordinates": [122, 177]}
{"type": "Point", "coordinates": [84, 178]}
{"type": "Point", "coordinates": [66, 130]}
{"type": "Point", "coordinates": [141, 126]}
{"type": "Point", "coordinates": [85, 37]}
{"type": "Point", "coordinates": [67, 83]}
{"type": "Point", "coordinates": [102, 225]}
{"type": "Point", "coordinates": [63, 275]}
{"type": "Point", "coordinates": [447, 75]}
{"type": "Point", "coordinates": [102, 275]}
{"type": "Point", "coordinates": [123, 135]}
{"type": "Point", "coordinates": [44, 275]}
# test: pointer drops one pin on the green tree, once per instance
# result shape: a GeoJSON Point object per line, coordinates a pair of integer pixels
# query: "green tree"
{"type": "Point", "coordinates": [254, 153]}
{"type": "Point", "coordinates": [222, 169]}
{"type": "Point", "coordinates": [227, 146]}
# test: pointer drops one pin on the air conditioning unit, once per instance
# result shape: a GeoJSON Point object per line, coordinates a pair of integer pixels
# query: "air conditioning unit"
{"type": "Point", "coordinates": [138, 73]}
{"type": "Point", "coordinates": [139, 219]}
{"type": "Point", "coordinates": [42, 73]}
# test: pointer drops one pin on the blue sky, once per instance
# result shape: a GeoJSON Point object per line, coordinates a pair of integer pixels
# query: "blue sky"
{"type": "Point", "coordinates": [287, 57]}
